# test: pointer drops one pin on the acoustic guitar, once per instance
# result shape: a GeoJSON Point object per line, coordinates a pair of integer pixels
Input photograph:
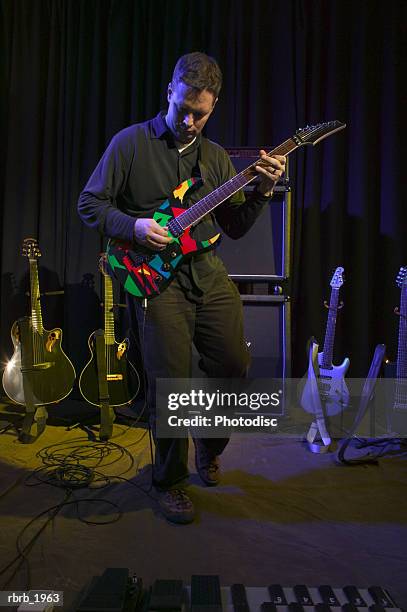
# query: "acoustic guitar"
{"type": "Point", "coordinates": [37, 352]}
{"type": "Point", "coordinates": [123, 382]}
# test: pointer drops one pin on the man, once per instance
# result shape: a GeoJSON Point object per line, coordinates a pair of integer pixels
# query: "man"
{"type": "Point", "coordinates": [139, 170]}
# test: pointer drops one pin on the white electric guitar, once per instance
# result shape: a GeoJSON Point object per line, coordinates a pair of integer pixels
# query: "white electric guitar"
{"type": "Point", "coordinates": [334, 393]}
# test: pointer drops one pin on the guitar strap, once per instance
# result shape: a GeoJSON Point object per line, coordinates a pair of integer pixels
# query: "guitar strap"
{"type": "Point", "coordinates": [318, 427]}
{"type": "Point", "coordinates": [107, 415]}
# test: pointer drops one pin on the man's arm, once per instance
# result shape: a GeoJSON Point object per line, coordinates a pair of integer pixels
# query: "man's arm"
{"type": "Point", "coordinates": [97, 202]}
{"type": "Point", "coordinates": [96, 205]}
{"type": "Point", "coordinates": [238, 214]}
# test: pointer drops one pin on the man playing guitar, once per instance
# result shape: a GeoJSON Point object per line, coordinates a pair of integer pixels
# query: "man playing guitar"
{"type": "Point", "coordinates": [140, 168]}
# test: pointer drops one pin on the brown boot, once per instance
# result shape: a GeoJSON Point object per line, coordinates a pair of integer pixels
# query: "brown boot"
{"type": "Point", "coordinates": [176, 506]}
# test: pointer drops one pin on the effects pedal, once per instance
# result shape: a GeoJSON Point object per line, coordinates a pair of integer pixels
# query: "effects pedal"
{"type": "Point", "coordinates": [205, 594]}
{"type": "Point", "coordinates": [166, 595]}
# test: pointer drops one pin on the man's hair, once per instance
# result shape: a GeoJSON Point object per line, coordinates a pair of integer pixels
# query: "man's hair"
{"type": "Point", "coordinates": [199, 71]}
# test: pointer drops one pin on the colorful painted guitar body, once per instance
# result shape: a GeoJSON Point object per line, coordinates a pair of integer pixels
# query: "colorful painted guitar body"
{"type": "Point", "coordinates": [145, 273]}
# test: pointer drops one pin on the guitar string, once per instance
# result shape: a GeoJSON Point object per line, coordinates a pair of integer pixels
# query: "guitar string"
{"type": "Point", "coordinates": [328, 346]}
{"type": "Point", "coordinates": [108, 315]}
{"type": "Point", "coordinates": [401, 391]}
{"type": "Point", "coordinates": [201, 208]}
{"type": "Point", "coordinates": [34, 309]}
{"type": "Point", "coordinates": [40, 344]}
{"type": "Point", "coordinates": [109, 327]}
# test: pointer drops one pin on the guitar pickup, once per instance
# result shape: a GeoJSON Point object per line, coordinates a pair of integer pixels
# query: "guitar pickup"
{"type": "Point", "coordinates": [114, 377]}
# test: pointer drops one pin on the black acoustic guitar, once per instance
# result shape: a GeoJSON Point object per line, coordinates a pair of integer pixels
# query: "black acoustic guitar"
{"type": "Point", "coordinates": [122, 379]}
{"type": "Point", "coordinates": [37, 352]}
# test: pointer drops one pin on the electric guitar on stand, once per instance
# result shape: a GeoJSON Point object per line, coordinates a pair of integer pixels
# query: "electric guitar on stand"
{"type": "Point", "coordinates": [331, 379]}
{"type": "Point", "coordinates": [110, 369]}
{"type": "Point", "coordinates": [145, 273]}
{"type": "Point", "coordinates": [400, 396]}
{"type": "Point", "coordinates": [39, 367]}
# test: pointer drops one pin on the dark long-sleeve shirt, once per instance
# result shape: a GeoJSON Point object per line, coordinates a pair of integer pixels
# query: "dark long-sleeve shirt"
{"type": "Point", "coordinates": [139, 170]}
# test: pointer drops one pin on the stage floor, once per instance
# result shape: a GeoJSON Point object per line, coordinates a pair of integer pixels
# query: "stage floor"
{"type": "Point", "coordinates": [281, 515]}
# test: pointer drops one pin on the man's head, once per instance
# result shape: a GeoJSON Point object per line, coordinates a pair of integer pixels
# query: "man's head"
{"type": "Point", "coordinates": [192, 95]}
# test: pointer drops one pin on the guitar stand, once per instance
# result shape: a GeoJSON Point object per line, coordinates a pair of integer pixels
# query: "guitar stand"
{"type": "Point", "coordinates": [366, 397]}
{"type": "Point", "coordinates": [34, 423]}
{"type": "Point", "coordinates": [107, 414]}
{"type": "Point", "coordinates": [318, 438]}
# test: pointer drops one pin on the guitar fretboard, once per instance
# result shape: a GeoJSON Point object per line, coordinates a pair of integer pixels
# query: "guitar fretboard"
{"type": "Point", "coordinates": [109, 318]}
{"type": "Point", "coordinates": [36, 315]}
{"type": "Point", "coordinates": [402, 346]}
{"type": "Point", "coordinates": [401, 371]}
{"type": "Point", "coordinates": [330, 329]}
{"type": "Point", "coordinates": [225, 191]}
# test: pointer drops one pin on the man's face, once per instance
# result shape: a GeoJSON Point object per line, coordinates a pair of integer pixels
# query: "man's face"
{"type": "Point", "coordinates": [188, 111]}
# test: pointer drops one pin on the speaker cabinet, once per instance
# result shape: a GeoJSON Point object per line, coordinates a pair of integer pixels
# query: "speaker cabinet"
{"type": "Point", "coordinates": [264, 252]}
{"type": "Point", "coordinates": [267, 332]}
{"type": "Point", "coordinates": [259, 254]}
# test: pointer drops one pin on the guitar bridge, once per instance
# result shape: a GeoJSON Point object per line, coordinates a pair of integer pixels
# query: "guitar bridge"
{"type": "Point", "coordinates": [39, 366]}
{"type": "Point", "coordinates": [114, 377]}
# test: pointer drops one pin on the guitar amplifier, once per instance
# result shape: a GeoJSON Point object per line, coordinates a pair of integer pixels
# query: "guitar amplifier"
{"type": "Point", "coordinates": [266, 321]}
{"type": "Point", "coordinates": [263, 252]}
{"type": "Point", "coordinates": [266, 327]}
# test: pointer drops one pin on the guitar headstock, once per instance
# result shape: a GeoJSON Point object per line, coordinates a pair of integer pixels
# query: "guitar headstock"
{"type": "Point", "coordinates": [312, 134]}
{"type": "Point", "coordinates": [401, 277]}
{"type": "Point", "coordinates": [337, 279]}
{"type": "Point", "coordinates": [30, 248]}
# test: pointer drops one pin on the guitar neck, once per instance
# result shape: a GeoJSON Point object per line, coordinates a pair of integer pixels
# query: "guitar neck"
{"type": "Point", "coordinates": [225, 191]}
{"type": "Point", "coordinates": [36, 315]}
{"type": "Point", "coordinates": [109, 318]}
{"type": "Point", "coordinates": [330, 329]}
{"type": "Point", "coordinates": [402, 344]}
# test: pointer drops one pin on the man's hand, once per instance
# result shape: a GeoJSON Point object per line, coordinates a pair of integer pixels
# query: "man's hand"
{"type": "Point", "coordinates": [270, 171]}
{"type": "Point", "coordinates": [148, 233]}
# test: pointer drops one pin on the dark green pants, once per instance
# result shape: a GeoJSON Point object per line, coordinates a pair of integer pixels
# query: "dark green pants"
{"type": "Point", "coordinates": [173, 321]}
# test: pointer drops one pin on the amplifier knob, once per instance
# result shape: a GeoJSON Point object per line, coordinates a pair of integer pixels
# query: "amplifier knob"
{"type": "Point", "coordinates": [166, 267]}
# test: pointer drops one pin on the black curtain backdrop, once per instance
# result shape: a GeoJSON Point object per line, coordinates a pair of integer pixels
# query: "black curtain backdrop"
{"type": "Point", "coordinates": [75, 72]}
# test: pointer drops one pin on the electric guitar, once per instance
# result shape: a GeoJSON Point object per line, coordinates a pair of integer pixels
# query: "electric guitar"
{"type": "Point", "coordinates": [332, 387]}
{"type": "Point", "coordinates": [145, 273]}
{"type": "Point", "coordinates": [122, 379]}
{"type": "Point", "coordinates": [37, 352]}
{"type": "Point", "coordinates": [400, 398]}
